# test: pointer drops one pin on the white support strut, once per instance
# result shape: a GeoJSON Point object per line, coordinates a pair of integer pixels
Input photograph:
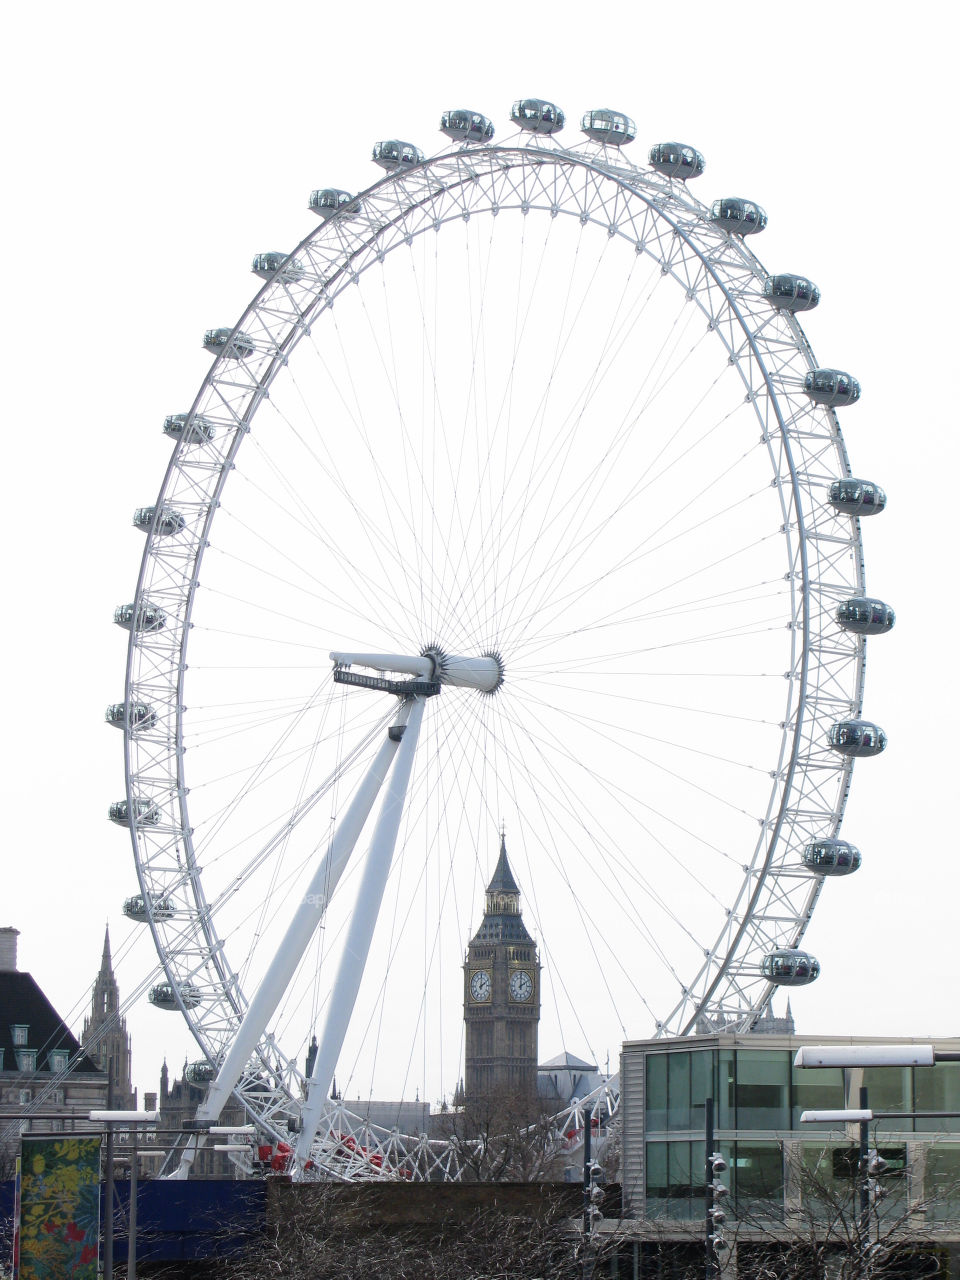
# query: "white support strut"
{"type": "Point", "coordinates": [306, 919]}
{"type": "Point", "coordinates": [362, 926]}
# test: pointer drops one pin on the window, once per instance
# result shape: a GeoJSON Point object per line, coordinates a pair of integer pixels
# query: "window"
{"type": "Point", "coordinates": [675, 1177]}
{"type": "Point", "coordinates": [941, 1179]}
{"type": "Point", "coordinates": [57, 1096]}
{"type": "Point", "coordinates": [56, 1126]}
{"type": "Point", "coordinates": [817, 1089]}
{"type": "Point", "coordinates": [26, 1059]}
{"type": "Point", "coordinates": [763, 1087]}
{"type": "Point", "coordinates": [59, 1058]}
{"type": "Point", "coordinates": [757, 1178]}
{"type": "Point", "coordinates": [19, 1034]}
{"type": "Point", "coordinates": [26, 1096]}
{"type": "Point", "coordinates": [936, 1089]}
{"type": "Point", "coordinates": [890, 1089]}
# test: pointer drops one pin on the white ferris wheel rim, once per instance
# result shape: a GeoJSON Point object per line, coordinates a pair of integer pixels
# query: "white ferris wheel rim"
{"type": "Point", "coordinates": [722, 279]}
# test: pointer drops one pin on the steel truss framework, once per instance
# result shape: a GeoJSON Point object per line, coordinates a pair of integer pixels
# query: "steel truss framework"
{"type": "Point", "coordinates": [723, 280]}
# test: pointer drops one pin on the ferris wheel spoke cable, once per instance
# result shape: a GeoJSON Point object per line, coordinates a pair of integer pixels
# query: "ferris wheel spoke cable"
{"type": "Point", "coordinates": [623, 799]}
{"type": "Point", "coordinates": [543, 785]}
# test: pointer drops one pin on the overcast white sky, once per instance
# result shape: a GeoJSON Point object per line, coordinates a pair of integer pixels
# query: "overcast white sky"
{"type": "Point", "coordinates": [151, 151]}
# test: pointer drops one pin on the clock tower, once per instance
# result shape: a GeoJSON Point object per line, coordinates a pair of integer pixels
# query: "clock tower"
{"type": "Point", "coordinates": [501, 998]}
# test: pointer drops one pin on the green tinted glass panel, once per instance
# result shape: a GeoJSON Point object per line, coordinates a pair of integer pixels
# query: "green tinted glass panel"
{"type": "Point", "coordinates": [702, 1086]}
{"type": "Point", "coordinates": [937, 1089]}
{"type": "Point", "coordinates": [888, 1089]}
{"type": "Point", "coordinates": [656, 1092]}
{"type": "Point", "coordinates": [678, 1091]}
{"type": "Point", "coordinates": [726, 1108]}
{"type": "Point", "coordinates": [941, 1181]}
{"type": "Point", "coordinates": [817, 1089]}
{"type": "Point", "coordinates": [824, 1181]}
{"type": "Point", "coordinates": [656, 1176]}
{"type": "Point", "coordinates": [758, 1179]}
{"type": "Point", "coordinates": [763, 1089]}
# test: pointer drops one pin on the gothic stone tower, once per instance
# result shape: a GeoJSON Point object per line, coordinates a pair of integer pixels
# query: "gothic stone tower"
{"type": "Point", "coordinates": [501, 999]}
{"type": "Point", "coordinates": [105, 1035]}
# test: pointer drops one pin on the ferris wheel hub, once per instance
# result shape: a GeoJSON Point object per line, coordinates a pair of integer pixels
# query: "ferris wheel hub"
{"type": "Point", "coordinates": [484, 672]}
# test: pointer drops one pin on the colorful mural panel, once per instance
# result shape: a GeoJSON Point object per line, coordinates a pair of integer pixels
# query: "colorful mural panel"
{"type": "Point", "coordinates": [59, 1208]}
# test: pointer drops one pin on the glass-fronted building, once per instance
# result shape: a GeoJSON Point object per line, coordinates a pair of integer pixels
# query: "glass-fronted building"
{"type": "Point", "coordinates": [781, 1173]}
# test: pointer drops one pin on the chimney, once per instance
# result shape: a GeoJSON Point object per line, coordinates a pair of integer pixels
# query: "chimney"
{"type": "Point", "coordinates": [8, 949]}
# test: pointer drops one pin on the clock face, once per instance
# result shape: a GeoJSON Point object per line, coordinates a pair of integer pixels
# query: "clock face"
{"type": "Point", "coordinates": [521, 985]}
{"type": "Point", "coordinates": [480, 985]}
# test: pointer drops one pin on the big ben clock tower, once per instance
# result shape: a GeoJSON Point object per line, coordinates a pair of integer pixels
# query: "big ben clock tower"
{"type": "Point", "coordinates": [501, 998]}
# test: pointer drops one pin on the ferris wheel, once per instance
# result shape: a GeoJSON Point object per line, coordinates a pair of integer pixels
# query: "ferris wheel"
{"type": "Point", "coordinates": [515, 499]}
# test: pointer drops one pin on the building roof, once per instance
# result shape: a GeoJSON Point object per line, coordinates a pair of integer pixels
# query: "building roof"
{"type": "Point", "coordinates": [567, 1062]}
{"type": "Point", "coordinates": [22, 1003]}
{"type": "Point", "coordinates": [503, 881]}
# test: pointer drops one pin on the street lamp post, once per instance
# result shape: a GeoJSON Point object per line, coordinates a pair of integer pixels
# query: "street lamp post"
{"type": "Point", "coordinates": [109, 1118]}
{"type": "Point", "coordinates": [714, 1164]}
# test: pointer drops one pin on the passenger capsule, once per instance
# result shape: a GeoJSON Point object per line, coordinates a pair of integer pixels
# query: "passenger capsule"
{"type": "Point", "coordinates": [194, 429]}
{"type": "Point", "coordinates": [266, 265]}
{"type": "Point", "coordinates": [536, 115]}
{"type": "Point", "coordinates": [675, 160]}
{"type": "Point", "coordinates": [164, 996]}
{"type": "Point", "coordinates": [201, 1072]}
{"type": "Point", "coordinates": [140, 716]}
{"type": "Point", "coordinates": [829, 857]}
{"type": "Point", "coordinates": [135, 908]}
{"type": "Point", "coordinates": [791, 293]}
{"type": "Point", "coordinates": [853, 497]}
{"type": "Point", "coordinates": [329, 201]}
{"type": "Point", "coordinates": [466, 126]}
{"type": "Point", "coordinates": [142, 617]}
{"type": "Point", "coordinates": [164, 524]}
{"type": "Point", "coordinates": [235, 346]}
{"type": "Point", "coordinates": [831, 387]}
{"type": "Point", "coordinates": [394, 154]}
{"type": "Point", "coordinates": [789, 967]}
{"type": "Point", "coordinates": [146, 812]}
{"type": "Point", "coordinates": [857, 738]}
{"type": "Point", "coordinates": [865, 616]}
{"type": "Point", "coordinates": [612, 128]}
{"type": "Point", "coordinates": [742, 217]}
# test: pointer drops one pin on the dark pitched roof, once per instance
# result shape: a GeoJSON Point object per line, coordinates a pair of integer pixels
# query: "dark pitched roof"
{"type": "Point", "coordinates": [502, 928]}
{"type": "Point", "coordinates": [503, 881]}
{"type": "Point", "coordinates": [22, 1003]}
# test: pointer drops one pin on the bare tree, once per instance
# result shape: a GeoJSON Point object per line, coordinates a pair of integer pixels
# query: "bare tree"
{"type": "Point", "coordinates": [339, 1232]}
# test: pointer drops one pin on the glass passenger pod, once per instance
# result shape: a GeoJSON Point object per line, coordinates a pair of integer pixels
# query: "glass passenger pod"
{"type": "Point", "coordinates": [329, 201]}
{"type": "Point", "coordinates": [741, 217]}
{"type": "Point", "coordinates": [788, 967]}
{"type": "Point", "coordinates": [266, 265]}
{"type": "Point", "coordinates": [235, 346]}
{"type": "Point", "coordinates": [144, 617]}
{"type": "Point", "coordinates": [676, 160]}
{"type": "Point", "coordinates": [536, 115]}
{"type": "Point", "coordinates": [394, 154]}
{"type": "Point", "coordinates": [201, 1072]}
{"type": "Point", "coordinates": [865, 616]}
{"type": "Point", "coordinates": [853, 497]}
{"type": "Point", "coordinates": [146, 812]}
{"type": "Point", "coordinates": [791, 293]}
{"type": "Point", "coordinates": [195, 430]}
{"type": "Point", "coordinates": [831, 387]}
{"type": "Point", "coordinates": [140, 716]}
{"type": "Point", "coordinates": [857, 738]}
{"type": "Point", "coordinates": [135, 908]}
{"type": "Point", "coordinates": [168, 522]}
{"type": "Point", "coordinates": [466, 126]}
{"type": "Point", "coordinates": [830, 857]}
{"type": "Point", "coordinates": [164, 996]}
{"type": "Point", "coordinates": [612, 128]}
